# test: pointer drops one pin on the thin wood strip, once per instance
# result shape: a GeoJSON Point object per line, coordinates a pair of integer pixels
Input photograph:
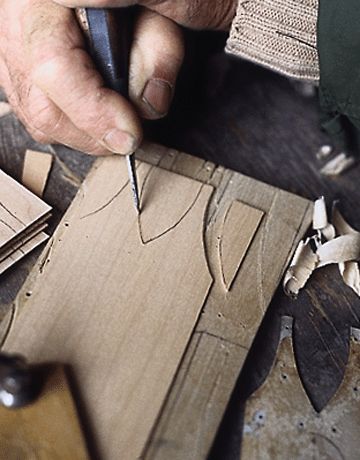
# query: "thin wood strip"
{"type": "Point", "coordinates": [21, 240]}
{"type": "Point", "coordinates": [19, 209]}
{"type": "Point", "coordinates": [141, 312]}
{"type": "Point", "coordinates": [37, 166]}
{"type": "Point", "coordinates": [280, 421]}
{"type": "Point", "coordinates": [25, 249]}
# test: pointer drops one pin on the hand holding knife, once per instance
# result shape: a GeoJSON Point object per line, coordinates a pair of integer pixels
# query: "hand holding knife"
{"type": "Point", "coordinates": [109, 32]}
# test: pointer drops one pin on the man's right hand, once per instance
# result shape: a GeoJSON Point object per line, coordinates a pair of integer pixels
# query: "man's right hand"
{"type": "Point", "coordinates": [54, 88]}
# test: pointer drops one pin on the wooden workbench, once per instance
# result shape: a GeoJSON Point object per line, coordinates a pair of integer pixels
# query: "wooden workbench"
{"type": "Point", "coordinates": [255, 122]}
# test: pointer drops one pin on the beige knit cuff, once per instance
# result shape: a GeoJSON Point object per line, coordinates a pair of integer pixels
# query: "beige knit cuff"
{"type": "Point", "coordinates": [278, 34]}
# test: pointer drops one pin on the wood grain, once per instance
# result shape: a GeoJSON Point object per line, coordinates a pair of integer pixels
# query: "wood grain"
{"type": "Point", "coordinates": [230, 320]}
{"type": "Point", "coordinates": [280, 421]}
{"type": "Point", "coordinates": [47, 429]}
{"type": "Point", "coordinates": [19, 209]}
{"type": "Point", "coordinates": [29, 245]}
{"type": "Point", "coordinates": [239, 220]}
{"type": "Point", "coordinates": [131, 291]}
{"type": "Point", "coordinates": [146, 329]}
{"type": "Point", "coordinates": [23, 218]}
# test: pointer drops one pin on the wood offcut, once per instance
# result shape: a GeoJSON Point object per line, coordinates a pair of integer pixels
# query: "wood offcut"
{"type": "Point", "coordinates": [139, 310]}
{"type": "Point", "coordinates": [23, 219]}
{"type": "Point", "coordinates": [37, 166]}
{"type": "Point", "coordinates": [281, 423]}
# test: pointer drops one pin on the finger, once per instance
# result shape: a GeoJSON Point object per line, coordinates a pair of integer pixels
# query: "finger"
{"type": "Point", "coordinates": [65, 73]}
{"type": "Point", "coordinates": [43, 120]}
{"type": "Point", "coordinates": [47, 124]}
{"type": "Point", "coordinates": [156, 58]}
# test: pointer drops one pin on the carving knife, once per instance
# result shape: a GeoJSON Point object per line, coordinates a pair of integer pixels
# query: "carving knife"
{"type": "Point", "coordinates": [109, 32]}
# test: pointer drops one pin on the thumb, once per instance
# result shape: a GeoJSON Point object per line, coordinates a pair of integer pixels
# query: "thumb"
{"type": "Point", "coordinates": [156, 58]}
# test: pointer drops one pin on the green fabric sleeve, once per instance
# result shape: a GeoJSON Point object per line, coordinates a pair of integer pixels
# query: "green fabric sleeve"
{"type": "Point", "coordinates": [339, 59]}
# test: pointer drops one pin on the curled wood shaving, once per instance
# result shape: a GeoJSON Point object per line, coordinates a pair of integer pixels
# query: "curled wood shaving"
{"type": "Point", "coordinates": [36, 170]}
{"type": "Point", "coordinates": [342, 249]}
{"type": "Point", "coordinates": [334, 243]}
{"type": "Point", "coordinates": [351, 275]}
{"type": "Point", "coordinates": [321, 222]}
{"type": "Point", "coordinates": [301, 268]}
{"type": "Point", "coordinates": [349, 270]}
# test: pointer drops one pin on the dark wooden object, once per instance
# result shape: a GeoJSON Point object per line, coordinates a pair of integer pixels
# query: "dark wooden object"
{"type": "Point", "coordinates": [255, 122]}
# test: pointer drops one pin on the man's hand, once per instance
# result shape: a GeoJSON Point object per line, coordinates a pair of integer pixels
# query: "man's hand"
{"type": "Point", "coordinates": [195, 14]}
{"type": "Point", "coordinates": [55, 90]}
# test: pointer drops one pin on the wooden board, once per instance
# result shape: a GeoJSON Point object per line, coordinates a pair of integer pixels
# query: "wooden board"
{"type": "Point", "coordinates": [230, 320]}
{"type": "Point", "coordinates": [46, 429]}
{"type": "Point", "coordinates": [17, 254]}
{"type": "Point", "coordinates": [142, 285]}
{"type": "Point", "coordinates": [23, 218]}
{"type": "Point", "coordinates": [280, 421]}
{"type": "Point", "coordinates": [19, 209]}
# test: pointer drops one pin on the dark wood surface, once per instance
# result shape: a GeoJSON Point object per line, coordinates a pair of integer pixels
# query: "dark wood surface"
{"type": "Point", "coordinates": [256, 122]}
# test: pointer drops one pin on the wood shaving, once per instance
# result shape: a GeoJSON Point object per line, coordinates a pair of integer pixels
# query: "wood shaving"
{"type": "Point", "coordinates": [338, 165]}
{"type": "Point", "coordinates": [301, 268]}
{"type": "Point", "coordinates": [324, 152]}
{"type": "Point", "coordinates": [342, 249]}
{"type": "Point", "coordinates": [341, 246]}
{"type": "Point", "coordinates": [349, 270]}
{"type": "Point", "coordinates": [321, 222]}
{"type": "Point", "coordinates": [320, 218]}
{"type": "Point", "coordinates": [351, 275]}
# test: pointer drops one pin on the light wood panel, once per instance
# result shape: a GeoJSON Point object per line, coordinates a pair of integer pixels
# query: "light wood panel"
{"type": "Point", "coordinates": [119, 298]}
{"type": "Point", "coordinates": [229, 322]}
{"type": "Point", "coordinates": [281, 423]}
{"type": "Point", "coordinates": [23, 217]}
{"type": "Point", "coordinates": [240, 225]}
{"type": "Point", "coordinates": [46, 429]}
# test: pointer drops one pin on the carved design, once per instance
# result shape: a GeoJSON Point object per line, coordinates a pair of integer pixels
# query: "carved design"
{"type": "Point", "coordinates": [129, 314]}
{"type": "Point", "coordinates": [165, 203]}
{"type": "Point", "coordinates": [239, 227]}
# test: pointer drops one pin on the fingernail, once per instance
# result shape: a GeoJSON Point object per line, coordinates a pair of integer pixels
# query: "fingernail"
{"type": "Point", "coordinates": [157, 96]}
{"type": "Point", "coordinates": [120, 142]}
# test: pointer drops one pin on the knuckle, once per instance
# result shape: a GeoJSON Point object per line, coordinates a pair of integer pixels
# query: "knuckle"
{"type": "Point", "coordinates": [49, 70]}
{"type": "Point", "coordinates": [43, 118]}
